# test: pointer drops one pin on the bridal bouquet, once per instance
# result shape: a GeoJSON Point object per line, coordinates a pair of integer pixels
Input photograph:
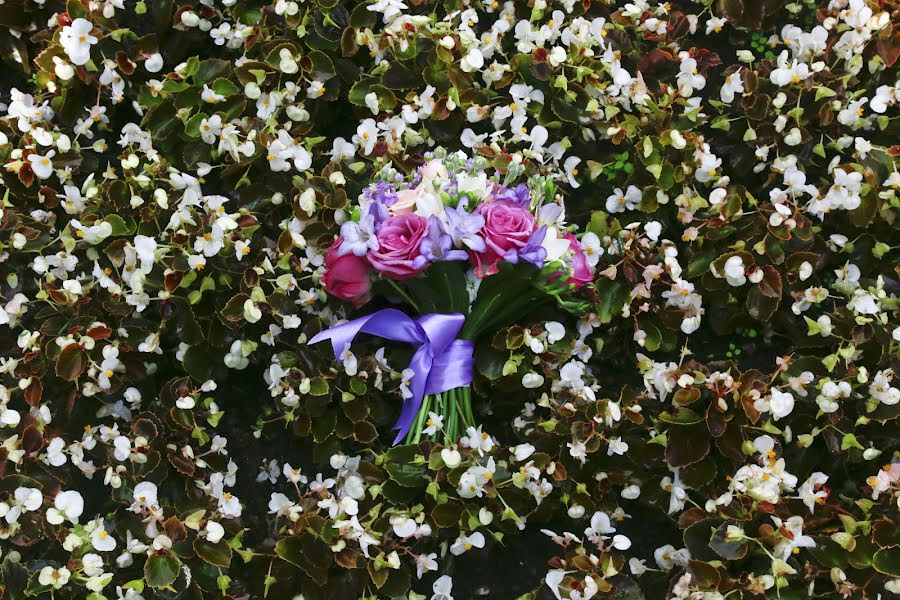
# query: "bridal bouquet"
{"type": "Point", "coordinates": [468, 250]}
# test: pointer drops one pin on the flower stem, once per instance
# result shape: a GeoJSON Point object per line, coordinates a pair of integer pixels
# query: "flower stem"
{"type": "Point", "coordinates": [467, 406]}
{"type": "Point", "coordinates": [415, 433]}
{"type": "Point", "coordinates": [450, 426]}
{"type": "Point", "coordinates": [402, 293]}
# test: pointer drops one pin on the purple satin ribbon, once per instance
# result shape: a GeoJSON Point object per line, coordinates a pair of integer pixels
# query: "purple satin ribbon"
{"type": "Point", "coordinates": [441, 362]}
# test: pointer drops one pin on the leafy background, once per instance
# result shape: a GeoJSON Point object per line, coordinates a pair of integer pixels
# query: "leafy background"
{"type": "Point", "coordinates": [196, 326]}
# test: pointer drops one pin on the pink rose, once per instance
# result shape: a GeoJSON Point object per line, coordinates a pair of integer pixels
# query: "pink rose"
{"type": "Point", "coordinates": [581, 270]}
{"type": "Point", "coordinates": [347, 277]}
{"type": "Point", "coordinates": [399, 238]}
{"type": "Point", "coordinates": [507, 226]}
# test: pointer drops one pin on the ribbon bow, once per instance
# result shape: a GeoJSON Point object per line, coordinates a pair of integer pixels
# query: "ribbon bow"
{"type": "Point", "coordinates": [441, 362]}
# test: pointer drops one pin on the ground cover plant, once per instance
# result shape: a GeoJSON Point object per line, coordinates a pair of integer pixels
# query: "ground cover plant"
{"type": "Point", "coordinates": [671, 227]}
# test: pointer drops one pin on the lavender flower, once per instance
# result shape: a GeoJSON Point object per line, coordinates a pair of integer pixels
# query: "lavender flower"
{"type": "Point", "coordinates": [378, 198]}
{"type": "Point", "coordinates": [532, 252]}
{"type": "Point", "coordinates": [520, 195]}
{"type": "Point", "coordinates": [464, 228]}
{"type": "Point", "coordinates": [551, 214]}
{"type": "Point", "coordinates": [359, 237]}
{"type": "Point", "coordinates": [438, 245]}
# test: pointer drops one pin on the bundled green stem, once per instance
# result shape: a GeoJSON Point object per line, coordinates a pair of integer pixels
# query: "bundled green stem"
{"type": "Point", "coordinates": [453, 407]}
{"type": "Point", "coordinates": [501, 300]}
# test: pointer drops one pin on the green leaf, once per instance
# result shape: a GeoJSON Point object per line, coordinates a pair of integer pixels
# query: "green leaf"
{"type": "Point", "coordinates": [321, 63]}
{"type": "Point", "coordinates": [362, 18]}
{"type": "Point", "coordinates": [681, 416]}
{"type": "Point", "coordinates": [824, 92]}
{"type": "Point", "coordinates": [397, 583]}
{"type": "Point", "coordinates": [161, 570]}
{"type": "Point", "coordinates": [318, 387]}
{"type": "Point", "coordinates": [687, 444]}
{"type": "Point", "coordinates": [400, 77]}
{"type": "Point", "coordinates": [400, 464]}
{"type": "Point", "coordinates": [601, 225]}
{"type": "Point", "coordinates": [653, 340]}
{"type": "Point", "coordinates": [564, 110]}
{"type": "Point", "coordinates": [191, 66]}
{"type": "Point", "coordinates": [198, 363]}
{"type": "Point", "coordinates": [192, 127]}
{"type": "Point", "coordinates": [360, 89]}
{"type": "Point", "coordinates": [447, 514]}
{"type": "Point", "coordinates": [886, 534]}
{"type": "Point", "coordinates": [726, 548]}
{"type": "Point", "coordinates": [77, 10]}
{"type": "Point", "coordinates": [218, 554]}
{"type": "Point", "coordinates": [612, 296]}
{"type": "Point", "coordinates": [224, 87]}
{"type": "Point", "coordinates": [210, 69]}
{"type": "Point", "coordinates": [311, 555]}
{"type": "Point", "coordinates": [887, 561]}
{"type": "Point", "coordinates": [849, 441]}
{"type": "Point", "coordinates": [120, 226]}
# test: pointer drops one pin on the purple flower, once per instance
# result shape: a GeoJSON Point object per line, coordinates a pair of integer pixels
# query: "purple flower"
{"type": "Point", "coordinates": [359, 236]}
{"type": "Point", "coordinates": [520, 195]}
{"type": "Point", "coordinates": [464, 228]}
{"type": "Point", "coordinates": [438, 245]}
{"type": "Point", "coordinates": [380, 196]}
{"type": "Point", "coordinates": [532, 252]}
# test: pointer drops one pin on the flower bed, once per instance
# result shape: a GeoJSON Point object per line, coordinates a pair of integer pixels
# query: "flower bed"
{"type": "Point", "coordinates": [621, 281]}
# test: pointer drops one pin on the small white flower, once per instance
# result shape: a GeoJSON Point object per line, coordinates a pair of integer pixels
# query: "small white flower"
{"type": "Point", "coordinates": [592, 248]}
{"type": "Point", "coordinates": [55, 578]}
{"type": "Point", "coordinates": [734, 271]}
{"type": "Point", "coordinates": [68, 505]}
{"type": "Point", "coordinates": [101, 540]}
{"type": "Point", "coordinates": [145, 496]}
{"type": "Point", "coordinates": [154, 63]}
{"type": "Point", "coordinates": [403, 526]}
{"type": "Point", "coordinates": [406, 377]}
{"type": "Point", "coordinates": [555, 331]}
{"type": "Point", "coordinates": [41, 164]}
{"type": "Point", "coordinates": [476, 439]}
{"type": "Point", "coordinates": [620, 201]}
{"type": "Point", "coordinates": [76, 40]}
{"type": "Point", "coordinates": [617, 446]}
{"type": "Point", "coordinates": [532, 380]}
{"type": "Point", "coordinates": [465, 542]}
{"type": "Point", "coordinates": [214, 532]}
{"type": "Point", "coordinates": [472, 61]}
{"type": "Point", "coordinates": [435, 423]}
{"type": "Point", "coordinates": [442, 588]}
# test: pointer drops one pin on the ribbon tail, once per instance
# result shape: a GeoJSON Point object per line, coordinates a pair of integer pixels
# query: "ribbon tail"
{"type": "Point", "coordinates": [387, 323]}
{"type": "Point", "coordinates": [421, 365]}
{"type": "Point", "coordinates": [407, 417]}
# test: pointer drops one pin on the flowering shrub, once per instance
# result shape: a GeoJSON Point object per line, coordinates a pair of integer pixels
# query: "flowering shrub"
{"type": "Point", "coordinates": [714, 415]}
